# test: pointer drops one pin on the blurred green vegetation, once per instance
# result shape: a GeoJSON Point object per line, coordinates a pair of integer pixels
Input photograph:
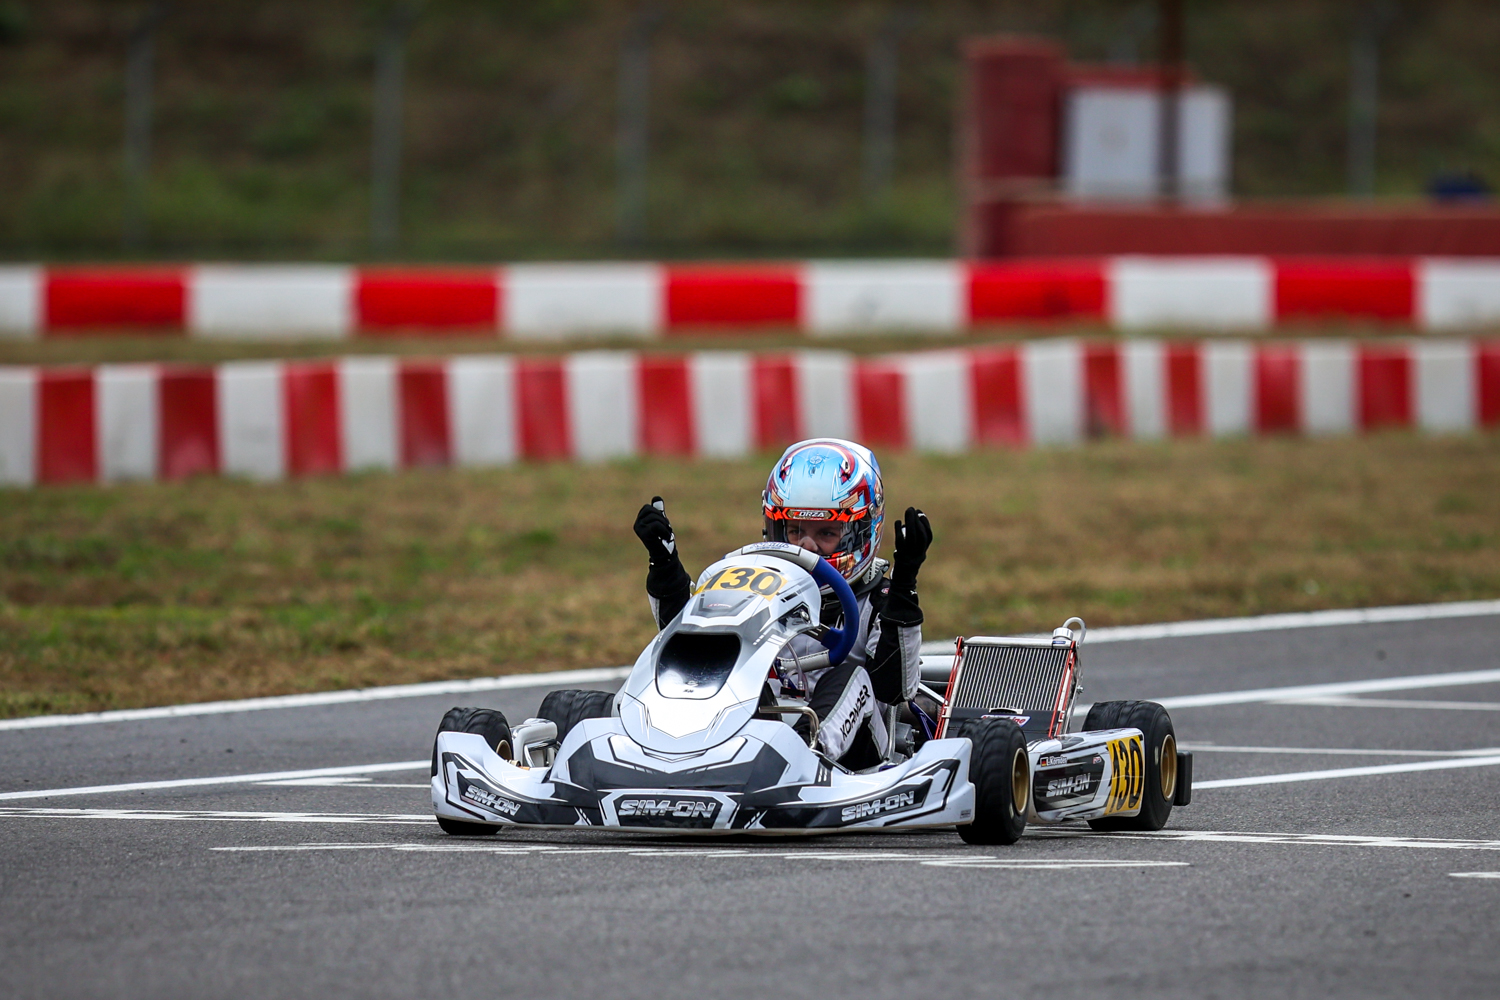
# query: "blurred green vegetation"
{"type": "Point", "coordinates": [262, 112]}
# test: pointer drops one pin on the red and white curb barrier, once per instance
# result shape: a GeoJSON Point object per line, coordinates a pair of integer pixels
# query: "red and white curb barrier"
{"type": "Point", "coordinates": [273, 419]}
{"type": "Point", "coordinates": [820, 298]}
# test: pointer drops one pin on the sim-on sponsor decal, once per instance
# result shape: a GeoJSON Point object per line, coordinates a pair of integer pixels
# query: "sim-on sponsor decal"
{"type": "Point", "coordinates": [489, 800]}
{"type": "Point", "coordinates": [667, 810]}
{"type": "Point", "coordinates": [1074, 784]}
{"type": "Point", "coordinates": [1127, 780]}
{"type": "Point", "coordinates": [893, 802]}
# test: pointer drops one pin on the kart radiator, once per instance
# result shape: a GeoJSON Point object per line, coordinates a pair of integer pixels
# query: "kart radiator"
{"type": "Point", "coordinates": [1030, 680]}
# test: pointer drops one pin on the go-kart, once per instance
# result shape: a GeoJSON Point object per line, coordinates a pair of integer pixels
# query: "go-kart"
{"type": "Point", "coordinates": [695, 743]}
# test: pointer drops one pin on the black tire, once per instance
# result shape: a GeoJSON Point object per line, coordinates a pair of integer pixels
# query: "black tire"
{"type": "Point", "coordinates": [459, 828]}
{"type": "Point", "coordinates": [1000, 769]}
{"type": "Point", "coordinates": [1102, 715]}
{"type": "Point", "coordinates": [1161, 760]}
{"type": "Point", "coordinates": [568, 707]}
{"type": "Point", "coordinates": [489, 723]}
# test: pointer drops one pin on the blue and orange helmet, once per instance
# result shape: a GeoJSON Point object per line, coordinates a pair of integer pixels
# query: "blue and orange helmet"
{"type": "Point", "coordinates": [829, 479]}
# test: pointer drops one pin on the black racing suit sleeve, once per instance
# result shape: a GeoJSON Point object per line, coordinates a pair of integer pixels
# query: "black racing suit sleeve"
{"type": "Point", "coordinates": [895, 667]}
{"type": "Point", "coordinates": [668, 587]}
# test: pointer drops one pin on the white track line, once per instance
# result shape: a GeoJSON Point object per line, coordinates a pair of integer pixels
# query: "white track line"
{"type": "Point", "coordinates": [1347, 772]}
{"type": "Point", "coordinates": [1336, 751]}
{"type": "Point", "coordinates": [562, 678]}
{"type": "Point", "coordinates": [1301, 619]}
{"type": "Point", "coordinates": [603, 675]}
{"type": "Point", "coordinates": [1334, 690]}
{"type": "Point", "coordinates": [504, 846]}
{"type": "Point", "coordinates": [339, 783]}
{"type": "Point", "coordinates": [1307, 839]}
{"type": "Point", "coordinates": [219, 815]}
{"type": "Point", "coordinates": [1271, 623]}
{"type": "Point", "coordinates": [225, 779]}
{"type": "Point", "coordinates": [1495, 875]}
{"type": "Point", "coordinates": [1445, 706]}
{"type": "Point", "coordinates": [931, 859]}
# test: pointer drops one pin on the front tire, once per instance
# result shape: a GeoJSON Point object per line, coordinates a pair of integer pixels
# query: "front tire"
{"type": "Point", "coordinates": [492, 725]}
{"type": "Point", "coordinates": [1000, 769]}
{"type": "Point", "coordinates": [568, 707]}
{"type": "Point", "coordinates": [1160, 746]}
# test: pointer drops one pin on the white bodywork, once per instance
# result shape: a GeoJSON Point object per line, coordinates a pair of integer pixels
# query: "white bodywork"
{"type": "Point", "coordinates": [685, 752]}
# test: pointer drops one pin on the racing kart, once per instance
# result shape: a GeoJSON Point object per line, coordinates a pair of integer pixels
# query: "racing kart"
{"type": "Point", "coordinates": [694, 742]}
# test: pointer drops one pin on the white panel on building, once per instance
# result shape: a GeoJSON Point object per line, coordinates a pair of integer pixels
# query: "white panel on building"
{"type": "Point", "coordinates": [1327, 387]}
{"type": "Point", "coordinates": [825, 393]}
{"type": "Point", "coordinates": [17, 426]}
{"type": "Point", "coordinates": [1228, 386]}
{"type": "Point", "coordinates": [1145, 388]}
{"type": "Point", "coordinates": [844, 296]}
{"type": "Point", "coordinates": [128, 421]}
{"type": "Point", "coordinates": [603, 403]}
{"type": "Point", "coordinates": [1219, 293]}
{"type": "Point", "coordinates": [1444, 375]}
{"type": "Point", "coordinates": [551, 301]}
{"type": "Point", "coordinates": [723, 407]}
{"type": "Point", "coordinates": [939, 407]}
{"type": "Point", "coordinates": [271, 301]}
{"type": "Point", "coordinates": [368, 413]}
{"type": "Point", "coordinates": [252, 434]}
{"type": "Point", "coordinates": [482, 404]}
{"type": "Point", "coordinates": [20, 302]}
{"type": "Point", "coordinates": [1111, 143]}
{"type": "Point", "coordinates": [1052, 380]}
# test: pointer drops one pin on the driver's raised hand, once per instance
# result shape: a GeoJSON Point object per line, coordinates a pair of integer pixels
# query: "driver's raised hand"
{"type": "Point", "coordinates": [655, 532]}
{"type": "Point", "coordinates": [913, 536]}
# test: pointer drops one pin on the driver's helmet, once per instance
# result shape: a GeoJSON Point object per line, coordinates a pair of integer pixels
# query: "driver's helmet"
{"type": "Point", "coordinates": [825, 494]}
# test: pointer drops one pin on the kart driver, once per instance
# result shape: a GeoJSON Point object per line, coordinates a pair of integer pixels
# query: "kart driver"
{"type": "Point", "coordinates": [826, 496]}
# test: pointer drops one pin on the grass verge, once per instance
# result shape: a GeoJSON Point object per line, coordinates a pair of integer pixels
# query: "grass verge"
{"type": "Point", "coordinates": [159, 593]}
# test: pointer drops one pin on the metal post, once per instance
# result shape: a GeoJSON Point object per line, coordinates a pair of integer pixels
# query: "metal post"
{"type": "Point", "coordinates": [1364, 64]}
{"type": "Point", "coordinates": [385, 149]}
{"type": "Point", "coordinates": [633, 138]}
{"type": "Point", "coordinates": [880, 100]}
{"type": "Point", "coordinates": [1169, 183]}
{"type": "Point", "coordinates": [140, 62]}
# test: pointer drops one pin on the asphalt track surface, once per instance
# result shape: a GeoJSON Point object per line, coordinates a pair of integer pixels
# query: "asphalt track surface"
{"type": "Point", "coordinates": [1362, 884]}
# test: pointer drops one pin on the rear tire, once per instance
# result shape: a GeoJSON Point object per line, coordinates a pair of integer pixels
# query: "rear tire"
{"type": "Point", "coordinates": [489, 723]}
{"type": "Point", "coordinates": [1160, 746]}
{"type": "Point", "coordinates": [1000, 769]}
{"type": "Point", "coordinates": [568, 707]}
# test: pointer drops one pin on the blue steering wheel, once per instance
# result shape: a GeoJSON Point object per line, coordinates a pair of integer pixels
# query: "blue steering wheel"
{"type": "Point", "coordinates": [838, 640]}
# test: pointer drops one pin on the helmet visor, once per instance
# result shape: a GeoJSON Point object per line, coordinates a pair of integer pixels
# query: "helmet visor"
{"type": "Point", "coordinates": [841, 542]}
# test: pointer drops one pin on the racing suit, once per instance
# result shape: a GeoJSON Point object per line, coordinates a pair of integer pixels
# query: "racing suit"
{"type": "Point", "coordinates": [883, 669]}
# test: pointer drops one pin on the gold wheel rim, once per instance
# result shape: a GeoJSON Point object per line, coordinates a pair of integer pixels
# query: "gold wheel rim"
{"type": "Point", "coordinates": [1020, 781]}
{"type": "Point", "coordinates": [1168, 767]}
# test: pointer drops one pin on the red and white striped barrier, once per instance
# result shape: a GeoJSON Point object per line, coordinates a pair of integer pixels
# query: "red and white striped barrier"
{"type": "Point", "coordinates": [820, 298]}
{"type": "Point", "coordinates": [268, 420]}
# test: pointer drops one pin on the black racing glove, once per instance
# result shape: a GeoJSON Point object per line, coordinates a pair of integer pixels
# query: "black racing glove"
{"type": "Point", "coordinates": [666, 575]}
{"type": "Point", "coordinates": [913, 536]}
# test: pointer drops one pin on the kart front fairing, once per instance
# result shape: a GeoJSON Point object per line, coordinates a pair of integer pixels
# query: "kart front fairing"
{"type": "Point", "coordinates": [686, 751]}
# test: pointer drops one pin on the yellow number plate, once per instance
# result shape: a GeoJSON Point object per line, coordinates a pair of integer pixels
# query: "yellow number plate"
{"type": "Point", "coordinates": [767, 583]}
{"type": "Point", "coordinates": [1127, 780]}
